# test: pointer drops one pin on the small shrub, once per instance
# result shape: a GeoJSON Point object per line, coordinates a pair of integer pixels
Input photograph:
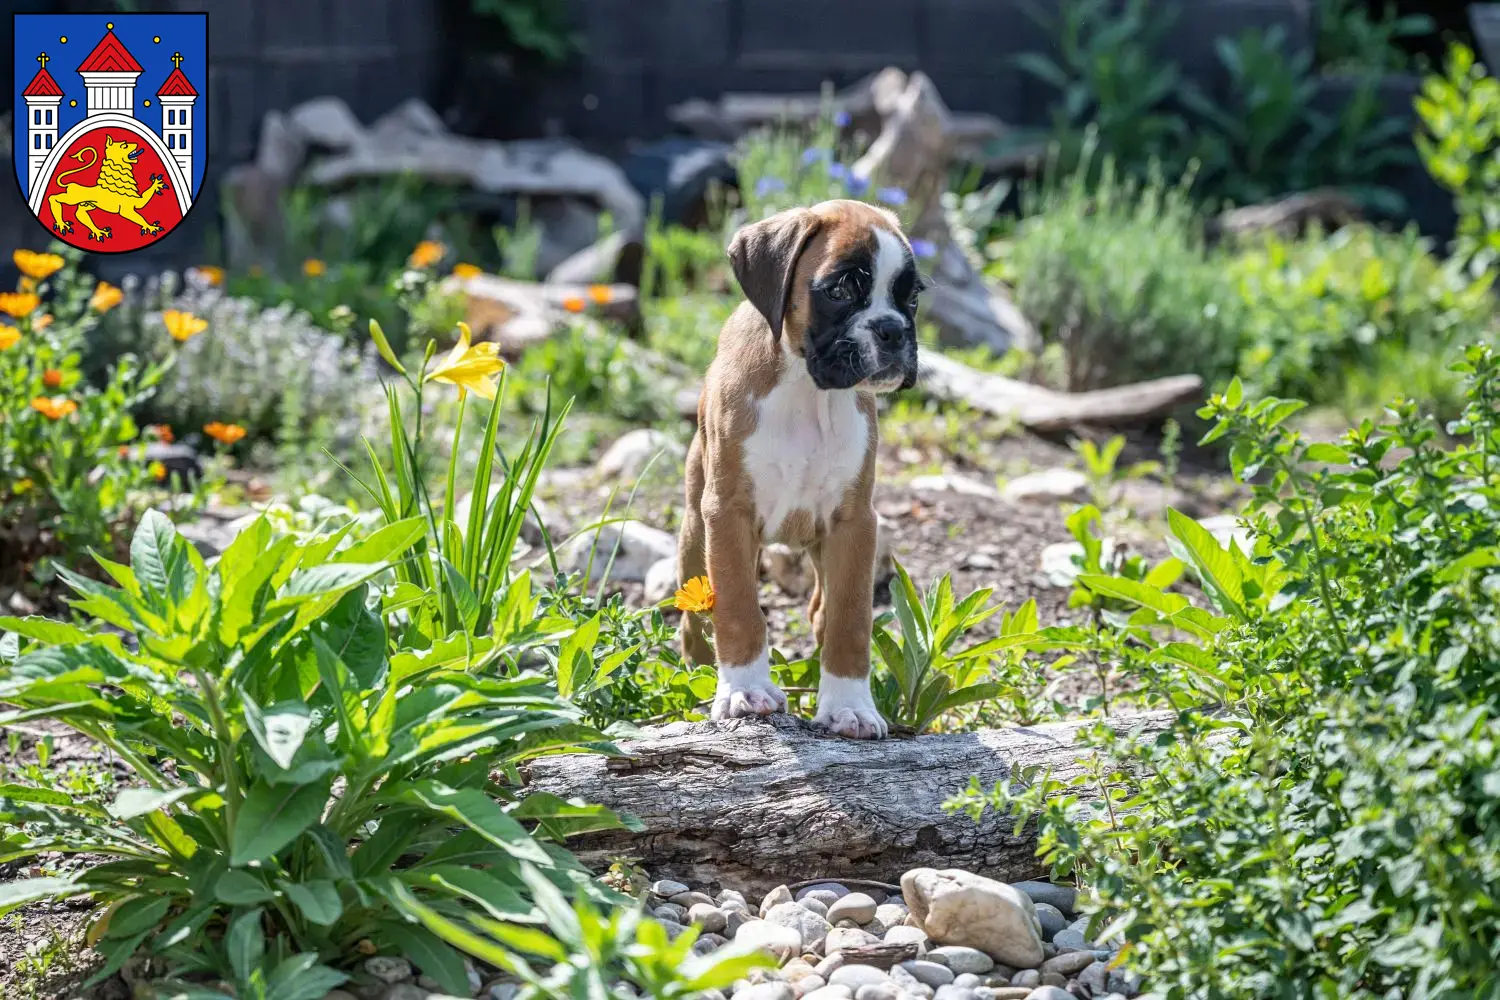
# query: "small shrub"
{"type": "Point", "coordinates": [1349, 37]}
{"type": "Point", "coordinates": [1460, 112]}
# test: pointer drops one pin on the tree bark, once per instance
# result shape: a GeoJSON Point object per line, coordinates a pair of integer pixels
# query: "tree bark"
{"type": "Point", "coordinates": [753, 803]}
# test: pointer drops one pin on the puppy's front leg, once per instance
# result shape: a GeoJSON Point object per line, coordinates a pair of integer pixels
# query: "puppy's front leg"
{"type": "Point", "coordinates": [847, 573]}
{"type": "Point", "coordinates": [745, 686]}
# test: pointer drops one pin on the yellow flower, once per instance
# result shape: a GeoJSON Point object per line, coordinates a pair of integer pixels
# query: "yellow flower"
{"type": "Point", "coordinates": [695, 595]}
{"type": "Point", "coordinates": [224, 433]}
{"type": "Point", "coordinates": [157, 470]}
{"type": "Point", "coordinates": [55, 408]}
{"type": "Point", "coordinates": [467, 271]}
{"type": "Point", "coordinates": [42, 322]}
{"type": "Point", "coordinates": [9, 337]}
{"type": "Point", "coordinates": [574, 304]}
{"type": "Point", "coordinates": [105, 297]}
{"type": "Point", "coordinates": [212, 275]}
{"type": "Point", "coordinates": [19, 304]}
{"type": "Point", "coordinates": [183, 325]}
{"type": "Point", "coordinates": [426, 254]}
{"type": "Point", "coordinates": [27, 284]}
{"type": "Point", "coordinates": [22, 485]}
{"type": "Point", "coordinates": [313, 267]}
{"type": "Point", "coordinates": [601, 294]}
{"type": "Point", "coordinates": [470, 366]}
{"type": "Point", "coordinates": [37, 266]}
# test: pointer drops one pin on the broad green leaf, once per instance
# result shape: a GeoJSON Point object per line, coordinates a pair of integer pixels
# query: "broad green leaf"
{"type": "Point", "coordinates": [1214, 565]}
{"type": "Point", "coordinates": [318, 900]}
{"type": "Point", "coordinates": [245, 944]}
{"type": "Point", "coordinates": [499, 899]}
{"type": "Point", "coordinates": [133, 802]}
{"type": "Point", "coordinates": [480, 813]}
{"type": "Point", "coordinates": [386, 543]}
{"type": "Point", "coordinates": [1135, 593]}
{"type": "Point", "coordinates": [137, 915]}
{"type": "Point", "coordinates": [568, 818]}
{"type": "Point", "coordinates": [330, 578]}
{"type": "Point", "coordinates": [45, 630]}
{"type": "Point", "coordinates": [435, 958]}
{"type": "Point", "coordinates": [242, 888]}
{"type": "Point", "coordinates": [31, 793]}
{"type": "Point", "coordinates": [29, 890]}
{"type": "Point", "coordinates": [159, 563]}
{"type": "Point", "coordinates": [301, 978]}
{"type": "Point", "coordinates": [279, 730]}
{"type": "Point", "coordinates": [272, 816]}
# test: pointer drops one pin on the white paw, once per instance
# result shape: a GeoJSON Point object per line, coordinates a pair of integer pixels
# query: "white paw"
{"type": "Point", "coordinates": [846, 707]}
{"type": "Point", "coordinates": [747, 690]}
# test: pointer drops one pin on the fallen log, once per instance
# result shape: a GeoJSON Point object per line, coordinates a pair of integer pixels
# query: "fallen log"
{"type": "Point", "coordinates": [1038, 408]}
{"type": "Point", "coordinates": [1287, 217]}
{"type": "Point", "coordinates": [753, 803]}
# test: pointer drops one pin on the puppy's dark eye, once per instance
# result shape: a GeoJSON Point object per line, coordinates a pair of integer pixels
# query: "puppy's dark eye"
{"type": "Point", "coordinates": [841, 290]}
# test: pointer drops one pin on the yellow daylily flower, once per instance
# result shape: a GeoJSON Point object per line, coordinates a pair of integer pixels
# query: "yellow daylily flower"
{"type": "Point", "coordinates": [19, 304]}
{"type": "Point", "coordinates": [183, 325]}
{"type": "Point", "coordinates": [37, 266]}
{"type": "Point", "coordinates": [9, 337]}
{"type": "Point", "coordinates": [469, 366]}
{"type": "Point", "coordinates": [105, 297]}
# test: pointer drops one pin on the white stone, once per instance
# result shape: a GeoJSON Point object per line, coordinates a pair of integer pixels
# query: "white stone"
{"type": "Point", "coordinates": [933, 974]}
{"type": "Point", "coordinates": [661, 581]}
{"type": "Point", "coordinates": [633, 545]}
{"type": "Point", "coordinates": [708, 916]}
{"type": "Point", "coordinates": [1049, 485]}
{"type": "Point", "coordinates": [833, 887]}
{"type": "Point", "coordinates": [782, 942]}
{"type": "Point", "coordinates": [902, 933]}
{"type": "Point", "coordinates": [833, 991]}
{"type": "Point", "coordinates": [326, 121]}
{"type": "Point", "coordinates": [1226, 528]}
{"type": "Point", "coordinates": [961, 959]}
{"type": "Point", "coordinates": [954, 484]}
{"type": "Point", "coordinates": [959, 907]}
{"type": "Point", "coordinates": [777, 896]}
{"type": "Point", "coordinates": [855, 976]}
{"type": "Point", "coordinates": [811, 928]}
{"type": "Point", "coordinates": [856, 906]}
{"type": "Point", "coordinates": [841, 938]}
{"type": "Point", "coordinates": [768, 991]}
{"type": "Point", "coordinates": [633, 451]}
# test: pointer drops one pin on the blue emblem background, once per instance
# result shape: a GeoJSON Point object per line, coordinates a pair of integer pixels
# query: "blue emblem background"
{"type": "Point", "coordinates": [185, 33]}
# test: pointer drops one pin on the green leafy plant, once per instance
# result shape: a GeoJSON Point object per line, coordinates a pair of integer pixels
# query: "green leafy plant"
{"type": "Point", "coordinates": [1318, 817]}
{"type": "Point", "coordinates": [1101, 465]}
{"type": "Point", "coordinates": [1349, 37]}
{"type": "Point", "coordinates": [920, 676]}
{"type": "Point", "coordinates": [1460, 112]}
{"type": "Point", "coordinates": [287, 751]}
{"type": "Point", "coordinates": [536, 26]}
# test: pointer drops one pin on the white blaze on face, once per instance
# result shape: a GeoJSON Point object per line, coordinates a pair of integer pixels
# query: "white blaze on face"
{"type": "Point", "coordinates": [890, 259]}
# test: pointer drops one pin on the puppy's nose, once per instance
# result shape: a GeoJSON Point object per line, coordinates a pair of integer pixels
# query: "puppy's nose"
{"type": "Point", "coordinates": [888, 330]}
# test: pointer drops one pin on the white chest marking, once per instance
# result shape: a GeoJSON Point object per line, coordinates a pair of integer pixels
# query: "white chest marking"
{"type": "Point", "coordinates": [807, 448]}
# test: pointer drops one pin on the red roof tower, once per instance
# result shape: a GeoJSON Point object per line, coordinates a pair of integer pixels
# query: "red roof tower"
{"type": "Point", "coordinates": [42, 85]}
{"type": "Point", "coordinates": [110, 56]}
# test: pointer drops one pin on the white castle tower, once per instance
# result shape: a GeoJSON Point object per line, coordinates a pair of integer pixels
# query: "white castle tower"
{"type": "Point", "coordinates": [177, 98]}
{"type": "Point", "coordinates": [109, 73]}
{"type": "Point", "coordinates": [42, 96]}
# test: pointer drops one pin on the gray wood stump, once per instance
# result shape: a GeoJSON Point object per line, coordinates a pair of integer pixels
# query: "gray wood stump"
{"type": "Point", "coordinates": [753, 803]}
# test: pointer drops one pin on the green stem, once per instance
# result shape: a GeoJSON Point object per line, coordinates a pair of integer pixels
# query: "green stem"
{"type": "Point", "coordinates": [227, 771]}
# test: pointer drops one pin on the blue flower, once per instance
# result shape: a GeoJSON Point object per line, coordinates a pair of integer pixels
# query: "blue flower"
{"type": "Point", "coordinates": [838, 172]}
{"type": "Point", "coordinates": [891, 196]}
{"type": "Point", "coordinates": [857, 185]}
{"type": "Point", "coordinates": [811, 156]}
{"type": "Point", "coordinates": [924, 248]}
{"type": "Point", "coordinates": [841, 119]}
{"type": "Point", "coordinates": [769, 185]}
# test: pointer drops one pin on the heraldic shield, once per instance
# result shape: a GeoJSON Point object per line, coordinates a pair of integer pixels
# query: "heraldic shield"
{"type": "Point", "coordinates": [111, 124]}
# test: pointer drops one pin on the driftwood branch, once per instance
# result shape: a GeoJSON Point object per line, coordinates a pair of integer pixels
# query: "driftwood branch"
{"type": "Point", "coordinates": [1286, 217]}
{"type": "Point", "coordinates": [753, 803]}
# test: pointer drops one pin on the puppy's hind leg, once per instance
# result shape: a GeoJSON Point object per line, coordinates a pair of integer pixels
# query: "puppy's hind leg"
{"type": "Point", "coordinates": [692, 556]}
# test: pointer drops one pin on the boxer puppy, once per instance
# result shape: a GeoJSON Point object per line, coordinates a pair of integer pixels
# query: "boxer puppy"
{"type": "Point", "coordinates": [785, 447]}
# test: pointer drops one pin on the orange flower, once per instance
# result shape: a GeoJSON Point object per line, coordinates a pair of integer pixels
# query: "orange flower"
{"type": "Point", "coordinates": [213, 275]}
{"type": "Point", "coordinates": [105, 297]}
{"type": "Point", "coordinates": [52, 378]}
{"type": "Point", "coordinates": [224, 433]}
{"type": "Point", "coordinates": [426, 254]}
{"type": "Point", "coordinates": [183, 325]}
{"type": "Point", "coordinates": [9, 337]}
{"type": "Point", "coordinates": [55, 408]}
{"type": "Point", "coordinates": [157, 470]}
{"type": "Point", "coordinates": [314, 268]}
{"type": "Point", "coordinates": [37, 266]}
{"type": "Point", "coordinates": [574, 304]}
{"type": "Point", "coordinates": [696, 594]}
{"type": "Point", "coordinates": [42, 322]}
{"type": "Point", "coordinates": [123, 451]}
{"type": "Point", "coordinates": [19, 304]}
{"type": "Point", "coordinates": [163, 433]}
{"type": "Point", "coordinates": [601, 294]}
{"type": "Point", "coordinates": [467, 271]}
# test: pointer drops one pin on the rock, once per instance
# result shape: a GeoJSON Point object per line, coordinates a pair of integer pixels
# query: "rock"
{"type": "Point", "coordinates": [816, 906]}
{"type": "Point", "coordinates": [962, 960]}
{"type": "Point", "coordinates": [632, 451]}
{"type": "Point", "coordinates": [856, 906]}
{"type": "Point", "coordinates": [1051, 919]}
{"type": "Point", "coordinates": [387, 969]}
{"type": "Point", "coordinates": [1124, 981]}
{"type": "Point", "coordinates": [326, 122]}
{"type": "Point", "coordinates": [1069, 963]}
{"type": "Point", "coordinates": [1054, 979]}
{"type": "Point", "coordinates": [404, 991]}
{"type": "Point", "coordinates": [1061, 896]}
{"type": "Point", "coordinates": [707, 916]}
{"type": "Point", "coordinates": [735, 919]}
{"type": "Point", "coordinates": [1095, 976]}
{"type": "Point", "coordinates": [955, 992]}
{"type": "Point", "coordinates": [855, 976]}
{"type": "Point", "coordinates": [1030, 978]}
{"type": "Point", "coordinates": [909, 983]}
{"type": "Point", "coordinates": [661, 581]}
{"type": "Point", "coordinates": [902, 933]}
{"type": "Point", "coordinates": [825, 896]}
{"type": "Point", "coordinates": [1009, 992]}
{"type": "Point", "coordinates": [955, 484]}
{"type": "Point", "coordinates": [504, 991]}
{"type": "Point", "coordinates": [673, 929]}
{"type": "Point", "coordinates": [813, 929]}
{"type": "Point", "coordinates": [781, 941]}
{"type": "Point", "coordinates": [625, 550]}
{"type": "Point", "coordinates": [878, 991]}
{"type": "Point", "coordinates": [769, 991]}
{"type": "Point", "coordinates": [1047, 486]}
{"type": "Point", "coordinates": [692, 898]}
{"type": "Point", "coordinates": [670, 911]}
{"type": "Point", "coordinates": [843, 938]}
{"type": "Point", "coordinates": [967, 980]}
{"type": "Point", "coordinates": [727, 896]}
{"type": "Point", "coordinates": [933, 974]}
{"type": "Point", "coordinates": [1049, 993]}
{"type": "Point", "coordinates": [1227, 529]}
{"type": "Point", "coordinates": [797, 968]}
{"type": "Point", "coordinates": [834, 960]}
{"type": "Point", "coordinates": [882, 955]}
{"type": "Point", "coordinates": [709, 942]}
{"type": "Point", "coordinates": [832, 991]}
{"type": "Point", "coordinates": [1000, 975]}
{"type": "Point", "coordinates": [890, 914]}
{"type": "Point", "coordinates": [412, 115]}
{"type": "Point", "coordinates": [958, 907]}
{"type": "Point", "coordinates": [614, 258]}
{"type": "Point", "coordinates": [804, 985]}
{"type": "Point", "coordinates": [777, 896]}
{"type": "Point", "coordinates": [281, 149]}
{"type": "Point", "coordinates": [1060, 561]}
{"type": "Point", "coordinates": [679, 171]}
{"type": "Point", "coordinates": [791, 570]}
{"type": "Point", "coordinates": [1069, 939]}
{"type": "Point", "coordinates": [839, 891]}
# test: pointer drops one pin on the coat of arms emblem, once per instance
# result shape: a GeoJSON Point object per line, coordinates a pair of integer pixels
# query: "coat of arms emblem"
{"type": "Point", "coordinates": [110, 124]}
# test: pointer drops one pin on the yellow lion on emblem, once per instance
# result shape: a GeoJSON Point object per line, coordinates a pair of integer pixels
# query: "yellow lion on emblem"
{"type": "Point", "coordinates": [115, 193]}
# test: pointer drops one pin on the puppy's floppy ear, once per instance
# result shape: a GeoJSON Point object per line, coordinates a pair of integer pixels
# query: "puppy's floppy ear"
{"type": "Point", "coordinates": [765, 255]}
